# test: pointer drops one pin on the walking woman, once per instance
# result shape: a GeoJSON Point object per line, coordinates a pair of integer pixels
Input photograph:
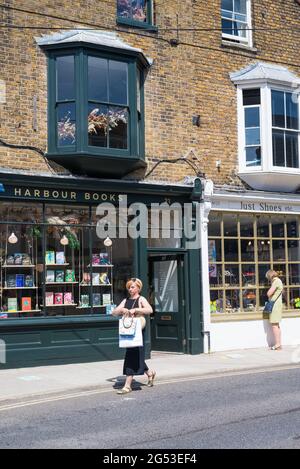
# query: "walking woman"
{"type": "Point", "coordinates": [275, 294]}
{"type": "Point", "coordinates": [135, 306]}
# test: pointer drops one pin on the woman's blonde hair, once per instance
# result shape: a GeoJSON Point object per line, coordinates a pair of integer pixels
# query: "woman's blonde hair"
{"type": "Point", "coordinates": [137, 281]}
{"type": "Point", "coordinates": [271, 274]}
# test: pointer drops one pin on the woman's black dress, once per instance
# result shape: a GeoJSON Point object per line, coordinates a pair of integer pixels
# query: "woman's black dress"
{"type": "Point", "coordinates": [134, 363]}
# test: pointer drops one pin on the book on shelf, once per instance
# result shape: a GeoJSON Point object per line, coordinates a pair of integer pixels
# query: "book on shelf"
{"type": "Point", "coordinates": [20, 280]}
{"type": "Point", "coordinates": [12, 305]}
{"type": "Point", "coordinates": [11, 281]}
{"type": "Point", "coordinates": [60, 257]}
{"type": "Point", "coordinates": [96, 299]}
{"type": "Point", "coordinates": [49, 298]}
{"type": "Point", "coordinates": [3, 315]}
{"type": "Point", "coordinates": [26, 259]}
{"type": "Point", "coordinates": [58, 298]}
{"type": "Point", "coordinates": [59, 276]}
{"type": "Point", "coordinates": [86, 278]}
{"type": "Point", "coordinates": [28, 281]}
{"type": "Point", "coordinates": [106, 299]}
{"type": "Point", "coordinates": [26, 303]}
{"type": "Point", "coordinates": [96, 278]}
{"type": "Point", "coordinates": [95, 259]}
{"type": "Point", "coordinates": [104, 279]}
{"type": "Point", "coordinates": [104, 258]}
{"type": "Point", "coordinates": [68, 298]}
{"type": "Point", "coordinates": [50, 276]}
{"type": "Point", "coordinates": [109, 309]}
{"type": "Point", "coordinates": [84, 300]}
{"type": "Point", "coordinates": [10, 259]}
{"type": "Point", "coordinates": [50, 257]}
{"type": "Point", "coordinates": [18, 257]}
{"type": "Point", "coordinates": [70, 275]}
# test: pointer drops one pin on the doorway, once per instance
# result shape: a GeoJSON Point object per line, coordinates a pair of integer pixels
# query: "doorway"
{"type": "Point", "coordinates": [166, 295]}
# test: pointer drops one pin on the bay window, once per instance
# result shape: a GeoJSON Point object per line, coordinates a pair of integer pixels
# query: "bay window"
{"type": "Point", "coordinates": [268, 127]}
{"type": "Point", "coordinates": [95, 103]}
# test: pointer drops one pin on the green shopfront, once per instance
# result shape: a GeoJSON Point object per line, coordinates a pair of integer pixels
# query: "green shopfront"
{"type": "Point", "coordinates": [61, 276]}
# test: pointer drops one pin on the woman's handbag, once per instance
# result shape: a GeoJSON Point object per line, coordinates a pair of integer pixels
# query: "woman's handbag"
{"type": "Point", "coordinates": [135, 340]}
{"type": "Point", "coordinates": [269, 305]}
{"type": "Point", "coordinates": [127, 326]}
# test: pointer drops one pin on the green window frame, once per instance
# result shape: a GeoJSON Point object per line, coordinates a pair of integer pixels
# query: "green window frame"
{"type": "Point", "coordinates": [136, 13]}
{"type": "Point", "coordinates": [69, 113]}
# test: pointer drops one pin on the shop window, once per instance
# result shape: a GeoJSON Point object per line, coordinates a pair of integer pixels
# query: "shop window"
{"type": "Point", "coordinates": [236, 21]}
{"type": "Point", "coordinates": [54, 264]}
{"type": "Point", "coordinates": [136, 13]}
{"type": "Point", "coordinates": [238, 264]}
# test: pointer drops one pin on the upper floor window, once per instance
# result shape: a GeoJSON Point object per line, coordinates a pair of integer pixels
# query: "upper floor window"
{"type": "Point", "coordinates": [269, 126]}
{"type": "Point", "coordinates": [95, 102]}
{"type": "Point", "coordinates": [285, 129]}
{"type": "Point", "coordinates": [236, 20]}
{"type": "Point", "coordinates": [137, 13]}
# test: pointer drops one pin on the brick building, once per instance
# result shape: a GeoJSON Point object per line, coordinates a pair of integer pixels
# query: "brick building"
{"type": "Point", "coordinates": [139, 97]}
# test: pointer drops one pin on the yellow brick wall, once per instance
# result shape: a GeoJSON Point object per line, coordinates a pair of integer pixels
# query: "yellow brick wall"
{"type": "Point", "coordinates": [183, 81]}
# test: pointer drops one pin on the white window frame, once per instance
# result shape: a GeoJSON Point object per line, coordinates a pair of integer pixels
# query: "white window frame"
{"type": "Point", "coordinates": [238, 39]}
{"type": "Point", "coordinates": [265, 129]}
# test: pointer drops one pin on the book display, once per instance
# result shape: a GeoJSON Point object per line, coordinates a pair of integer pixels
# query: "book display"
{"type": "Point", "coordinates": [42, 276]}
{"type": "Point", "coordinates": [96, 284]}
{"type": "Point", "coordinates": [19, 279]}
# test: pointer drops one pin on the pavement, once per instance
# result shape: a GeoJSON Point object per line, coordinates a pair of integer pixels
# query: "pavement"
{"type": "Point", "coordinates": [29, 384]}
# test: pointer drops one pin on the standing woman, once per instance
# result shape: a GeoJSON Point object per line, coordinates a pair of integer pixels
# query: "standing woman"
{"type": "Point", "coordinates": [134, 306]}
{"type": "Point", "coordinates": [275, 294]}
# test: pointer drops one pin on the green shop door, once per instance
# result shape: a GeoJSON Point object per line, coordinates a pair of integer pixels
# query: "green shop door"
{"type": "Point", "coordinates": [166, 296]}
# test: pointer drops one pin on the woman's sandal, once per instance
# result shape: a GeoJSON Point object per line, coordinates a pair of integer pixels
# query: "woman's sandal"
{"type": "Point", "coordinates": [124, 390]}
{"type": "Point", "coordinates": [151, 379]}
{"type": "Point", "coordinates": [278, 347]}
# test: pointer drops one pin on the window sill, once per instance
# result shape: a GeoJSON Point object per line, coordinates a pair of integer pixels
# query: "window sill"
{"type": "Point", "coordinates": [233, 317]}
{"type": "Point", "coordinates": [237, 45]}
{"type": "Point", "coordinates": [115, 166]}
{"type": "Point", "coordinates": [137, 24]}
{"type": "Point", "coordinates": [276, 180]}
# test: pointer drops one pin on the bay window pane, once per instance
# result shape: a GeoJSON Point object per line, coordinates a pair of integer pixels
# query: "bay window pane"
{"type": "Point", "coordinates": [118, 82]}
{"type": "Point", "coordinates": [253, 136]}
{"type": "Point", "coordinates": [292, 113]}
{"type": "Point", "coordinates": [292, 160]}
{"type": "Point", "coordinates": [65, 82]}
{"type": "Point", "coordinates": [253, 156]}
{"type": "Point", "coordinates": [278, 148]}
{"type": "Point", "coordinates": [97, 125]}
{"type": "Point", "coordinates": [278, 109]}
{"type": "Point", "coordinates": [252, 117]}
{"type": "Point", "coordinates": [227, 5]}
{"type": "Point", "coordinates": [97, 79]}
{"type": "Point", "coordinates": [118, 125]}
{"type": "Point", "coordinates": [66, 124]}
